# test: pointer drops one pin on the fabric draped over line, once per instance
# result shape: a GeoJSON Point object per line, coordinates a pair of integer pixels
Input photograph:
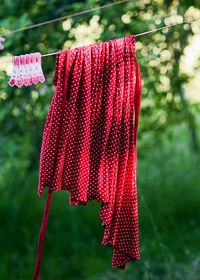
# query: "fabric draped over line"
{"type": "Point", "coordinates": [89, 139]}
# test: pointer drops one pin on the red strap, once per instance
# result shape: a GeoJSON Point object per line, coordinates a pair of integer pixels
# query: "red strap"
{"type": "Point", "coordinates": [42, 236]}
{"type": "Point", "coordinates": [137, 108]}
{"type": "Point", "coordinates": [137, 98]}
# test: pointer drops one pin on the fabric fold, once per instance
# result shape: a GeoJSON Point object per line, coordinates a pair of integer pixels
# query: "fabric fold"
{"type": "Point", "coordinates": [89, 140]}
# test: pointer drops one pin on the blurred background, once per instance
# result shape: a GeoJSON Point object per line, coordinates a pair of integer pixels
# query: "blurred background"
{"type": "Point", "coordinates": [168, 143]}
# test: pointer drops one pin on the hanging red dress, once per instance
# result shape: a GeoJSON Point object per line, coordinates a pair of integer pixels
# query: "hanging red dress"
{"type": "Point", "coordinates": [89, 140]}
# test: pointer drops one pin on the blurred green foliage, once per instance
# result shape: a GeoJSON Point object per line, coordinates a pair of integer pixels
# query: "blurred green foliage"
{"type": "Point", "coordinates": [168, 150]}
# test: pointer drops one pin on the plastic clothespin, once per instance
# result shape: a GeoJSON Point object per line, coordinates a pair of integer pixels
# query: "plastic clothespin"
{"type": "Point", "coordinates": [15, 71]}
{"type": "Point", "coordinates": [27, 70]}
{"type": "Point", "coordinates": [19, 78]}
{"type": "Point", "coordinates": [39, 71]}
{"type": "Point", "coordinates": [33, 68]}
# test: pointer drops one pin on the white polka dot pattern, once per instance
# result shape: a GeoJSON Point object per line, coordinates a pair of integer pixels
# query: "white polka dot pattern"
{"type": "Point", "coordinates": [89, 139]}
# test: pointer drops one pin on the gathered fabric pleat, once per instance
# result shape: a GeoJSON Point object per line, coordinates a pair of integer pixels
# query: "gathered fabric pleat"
{"type": "Point", "coordinates": [89, 140]}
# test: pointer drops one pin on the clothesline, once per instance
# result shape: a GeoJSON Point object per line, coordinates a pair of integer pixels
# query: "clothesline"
{"type": "Point", "coordinates": [63, 17]}
{"type": "Point", "coordinates": [80, 13]}
{"type": "Point", "coordinates": [137, 35]}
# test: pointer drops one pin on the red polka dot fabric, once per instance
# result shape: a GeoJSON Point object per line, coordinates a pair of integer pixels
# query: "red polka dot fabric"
{"type": "Point", "coordinates": [89, 140]}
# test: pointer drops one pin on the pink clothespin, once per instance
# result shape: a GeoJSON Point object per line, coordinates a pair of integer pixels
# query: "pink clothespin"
{"type": "Point", "coordinates": [40, 74]}
{"type": "Point", "coordinates": [19, 79]}
{"type": "Point", "coordinates": [15, 71]}
{"type": "Point", "coordinates": [33, 68]}
{"type": "Point", "coordinates": [1, 41]}
{"type": "Point", "coordinates": [27, 70]}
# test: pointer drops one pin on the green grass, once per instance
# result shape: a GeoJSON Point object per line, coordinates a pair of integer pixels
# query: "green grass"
{"type": "Point", "coordinates": [169, 222]}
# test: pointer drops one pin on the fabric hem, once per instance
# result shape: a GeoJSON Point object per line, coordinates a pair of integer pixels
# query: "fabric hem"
{"type": "Point", "coordinates": [129, 258]}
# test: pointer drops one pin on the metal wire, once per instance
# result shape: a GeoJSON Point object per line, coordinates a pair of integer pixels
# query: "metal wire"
{"type": "Point", "coordinates": [62, 18]}
{"type": "Point", "coordinates": [137, 35]}
{"type": "Point", "coordinates": [163, 27]}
